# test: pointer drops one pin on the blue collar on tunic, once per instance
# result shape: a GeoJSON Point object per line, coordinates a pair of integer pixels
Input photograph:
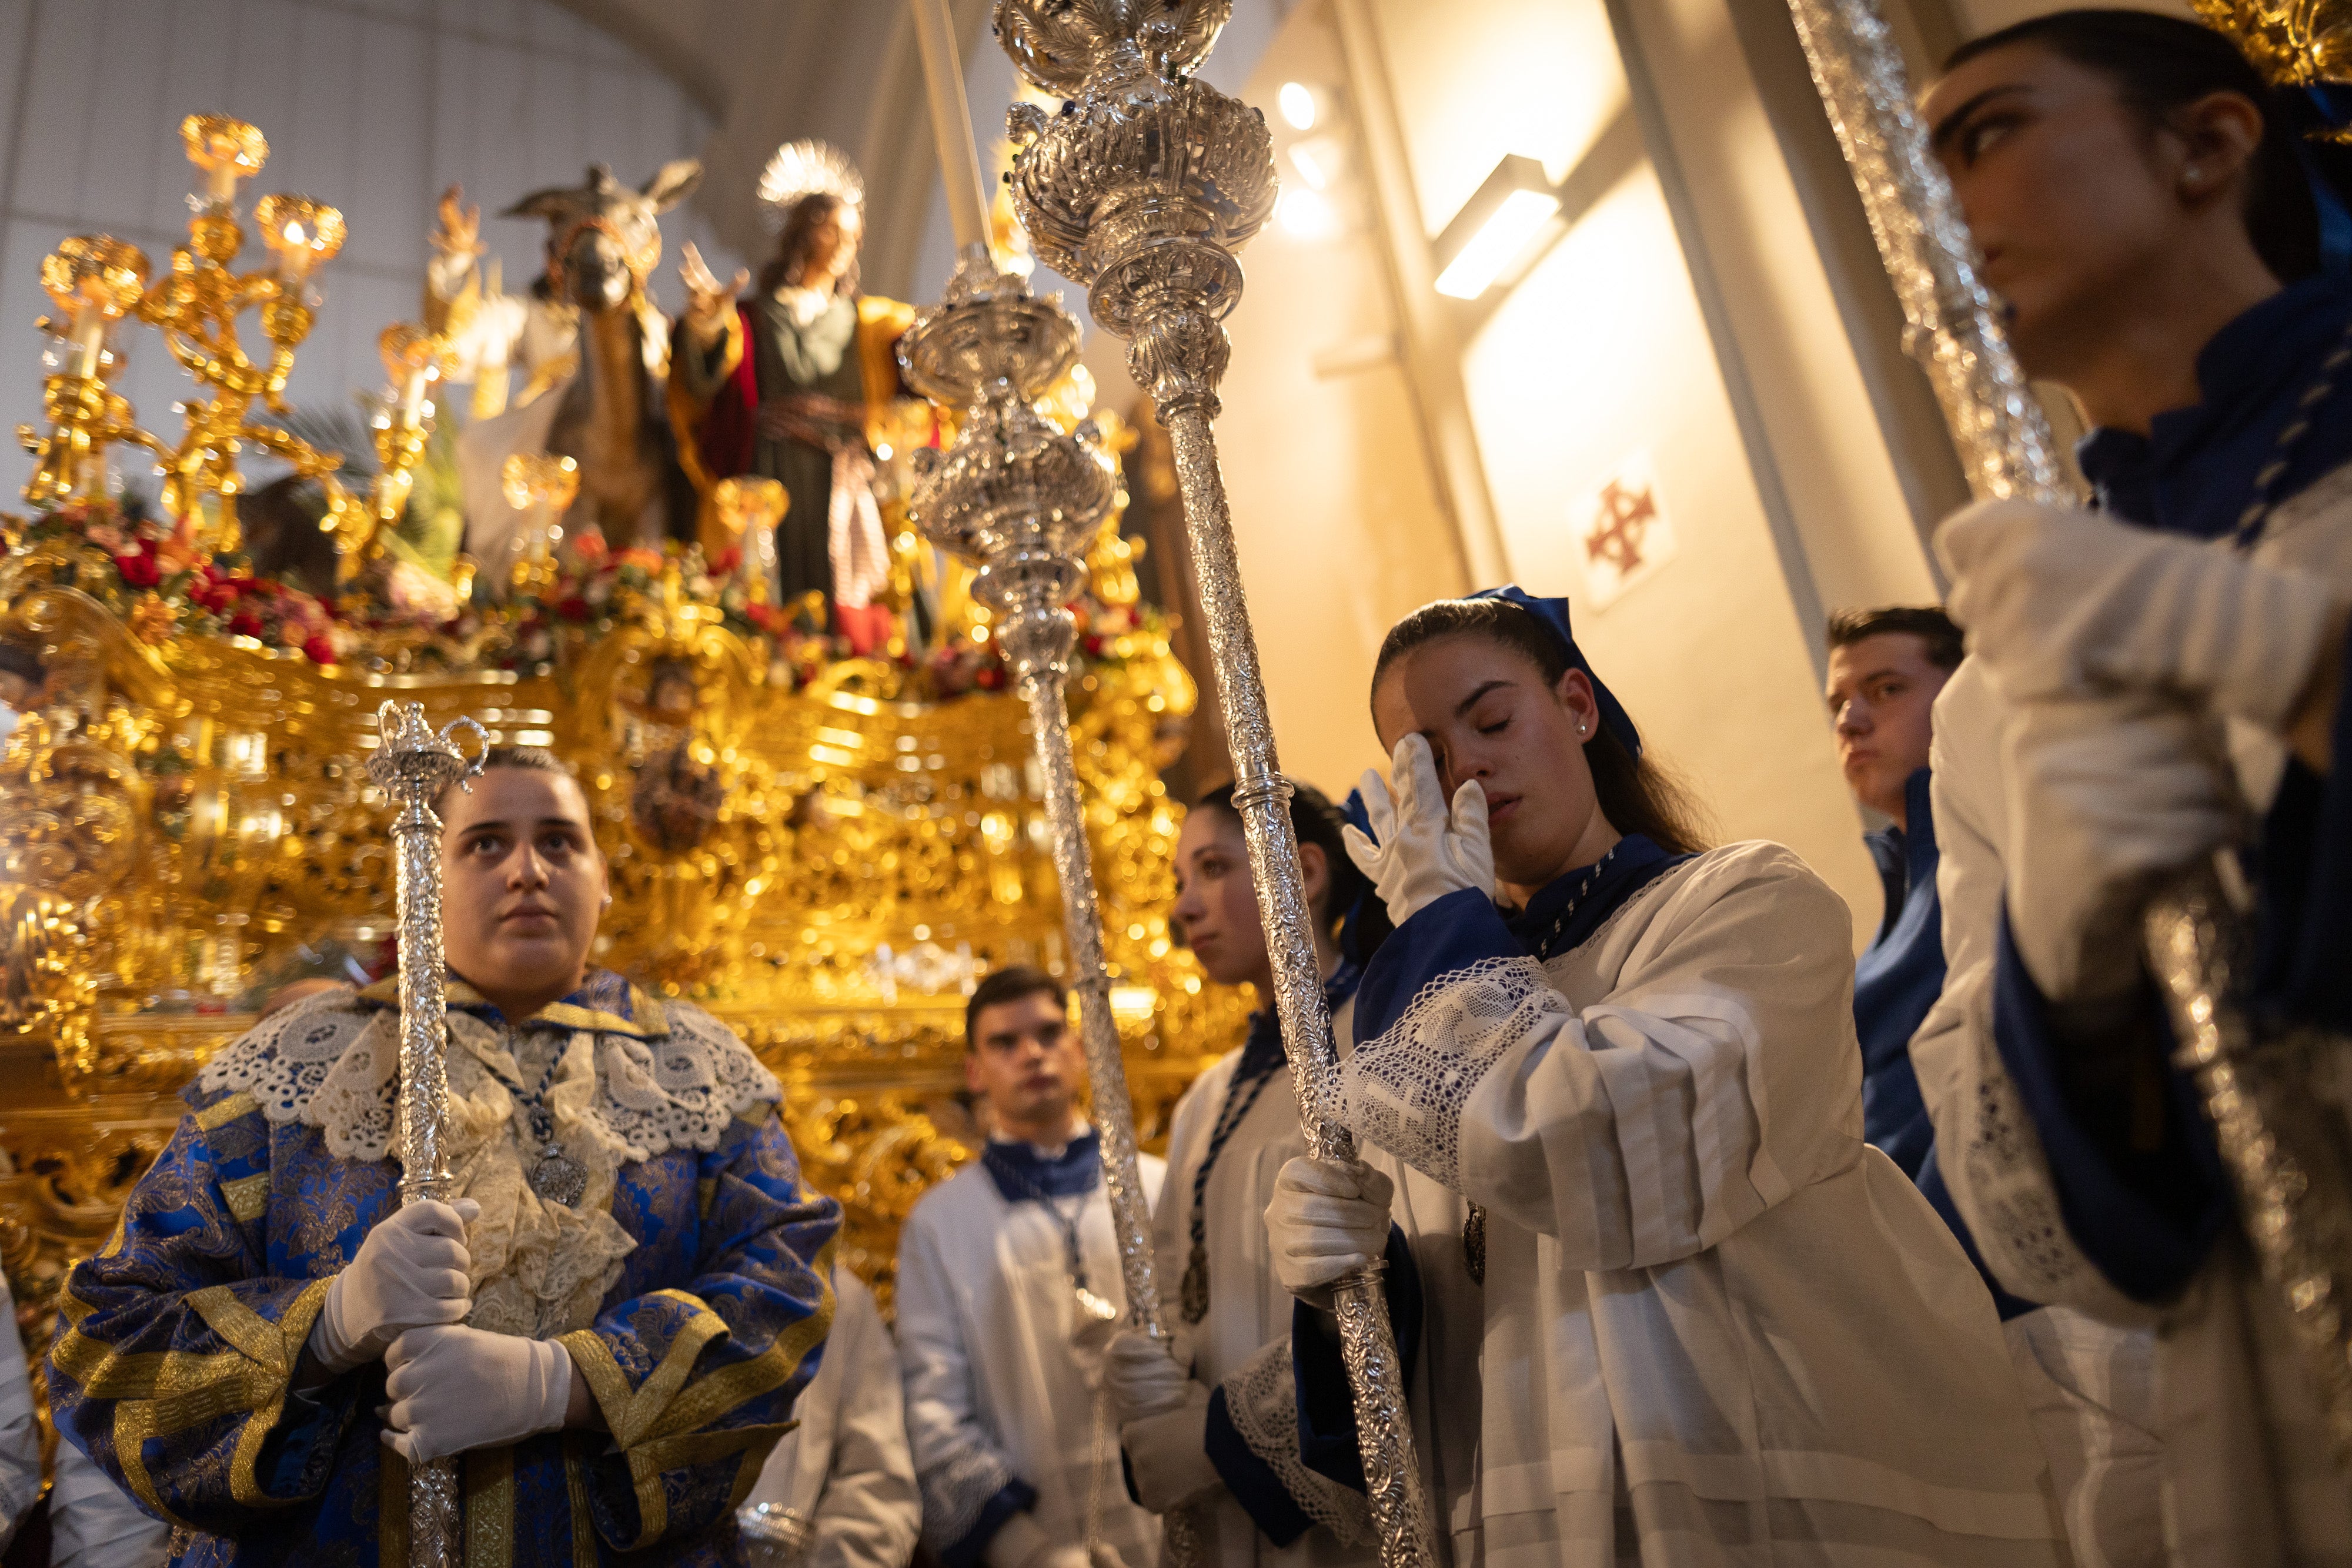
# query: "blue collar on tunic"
{"type": "Point", "coordinates": [1261, 1047]}
{"type": "Point", "coordinates": [1634, 864]}
{"type": "Point", "coordinates": [1906, 860]}
{"type": "Point", "coordinates": [2194, 472]}
{"type": "Point", "coordinates": [605, 1003]}
{"type": "Point", "coordinates": [1021, 1170]}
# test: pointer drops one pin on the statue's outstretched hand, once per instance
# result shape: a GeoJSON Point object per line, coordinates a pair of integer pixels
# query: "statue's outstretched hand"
{"type": "Point", "coordinates": [460, 234]}
{"type": "Point", "coordinates": [706, 300]}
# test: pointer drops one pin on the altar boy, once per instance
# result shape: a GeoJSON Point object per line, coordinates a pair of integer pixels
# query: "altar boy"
{"type": "Point", "coordinates": [1009, 1289]}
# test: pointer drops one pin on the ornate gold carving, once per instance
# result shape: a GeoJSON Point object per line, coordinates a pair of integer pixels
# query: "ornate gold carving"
{"type": "Point", "coordinates": [2295, 43]}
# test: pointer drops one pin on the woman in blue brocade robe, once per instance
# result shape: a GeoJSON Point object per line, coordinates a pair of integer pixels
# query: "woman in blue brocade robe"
{"type": "Point", "coordinates": [607, 1325]}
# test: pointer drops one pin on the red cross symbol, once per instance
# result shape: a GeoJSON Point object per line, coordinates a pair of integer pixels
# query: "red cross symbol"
{"type": "Point", "coordinates": [1625, 516]}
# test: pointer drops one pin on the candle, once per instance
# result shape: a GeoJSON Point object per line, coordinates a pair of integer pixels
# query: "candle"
{"type": "Point", "coordinates": [294, 256]}
{"type": "Point", "coordinates": [220, 182]}
{"type": "Point", "coordinates": [951, 124]}
{"type": "Point", "coordinates": [412, 395]}
{"type": "Point", "coordinates": [89, 339]}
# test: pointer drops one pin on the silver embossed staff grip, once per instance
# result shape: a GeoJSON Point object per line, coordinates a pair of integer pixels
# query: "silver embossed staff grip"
{"type": "Point", "coordinates": [2291, 1176]}
{"type": "Point", "coordinates": [412, 765]}
{"type": "Point", "coordinates": [1022, 501]}
{"type": "Point", "coordinates": [1140, 190]}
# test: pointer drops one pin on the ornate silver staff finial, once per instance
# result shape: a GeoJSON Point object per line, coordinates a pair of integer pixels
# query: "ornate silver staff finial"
{"type": "Point", "coordinates": [2293, 1180]}
{"type": "Point", "coordinates": [1140, 190]}
{"type": "Point", "coordinates": [413, 764]}
{"type": "Point", "coordinates": [1022, 501]}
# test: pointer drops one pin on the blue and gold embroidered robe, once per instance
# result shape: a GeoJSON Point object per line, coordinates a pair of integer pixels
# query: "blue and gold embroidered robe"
{"type": "Point", "coordinates": [176, 1344]}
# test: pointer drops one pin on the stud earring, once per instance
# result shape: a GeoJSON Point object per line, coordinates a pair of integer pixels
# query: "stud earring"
{"type": "Point", "coordinates": [2192, 177]}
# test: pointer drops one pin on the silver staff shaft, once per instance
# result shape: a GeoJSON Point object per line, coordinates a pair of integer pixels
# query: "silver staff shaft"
{"type": "Point", "coordinates": [1022, 501]}
{"type": "Point", "coordinates": [412, 765]}
{"type": "Point", "coordinates": [2292, 1179]}
{"type": "Point", "coordinates": [1261, 796]}
{"type": "Point", "coordinates": [1141, 189]}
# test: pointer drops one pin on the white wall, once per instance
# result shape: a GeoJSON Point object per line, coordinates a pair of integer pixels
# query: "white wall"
{"type": "Point", "coordinates": [371, 105]}
{"type": "Point", "coordinates": [1600, 352]}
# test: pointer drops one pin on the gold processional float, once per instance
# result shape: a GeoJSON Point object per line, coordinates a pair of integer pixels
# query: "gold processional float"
{"type": "Point", "coordinates": [825, 850]}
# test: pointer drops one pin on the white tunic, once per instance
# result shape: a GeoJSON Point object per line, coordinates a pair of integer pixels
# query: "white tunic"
{"type": "Point", "coordinates": [846, 1468]}
{"type": "Point", "coordinates": [2246, 1480]}
{"type": "Point", "coordinates": [1716, 1326]}
{"type": "Point", "coordinates": [999, 1384]}
{"type": "Point", "coordinates": [20, 1430]}
{"type": "Point", "coordinates": [1243, 1342]}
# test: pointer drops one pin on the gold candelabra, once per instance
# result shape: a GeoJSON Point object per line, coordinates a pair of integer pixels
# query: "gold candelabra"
{"type": "Point", "coordinates": [196, 307]}
{"type": "Point", "coordinates": [542, 483]}
{"type": "Point", "coordinates": [95, 280]}
{"type": "Point", "coordinates": [744, 512]}
{"type": "Point", "coordinates": [414, 358]}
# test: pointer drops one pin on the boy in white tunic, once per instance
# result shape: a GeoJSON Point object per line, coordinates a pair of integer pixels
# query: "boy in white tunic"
{"type": "Point", "coordinates": [1009, 1288]}
{"type": "Point", "coordinates": [1716, 1327]}
{"type": "Point", "coordinates": [1225, 1436]}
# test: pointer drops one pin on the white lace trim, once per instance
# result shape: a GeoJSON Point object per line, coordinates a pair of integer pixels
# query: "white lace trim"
{"type": "Point", "coordinates": [2018, 1220]}
{"type": "Point", "coordinates": [1406, 1090]}
{"type": "Point", "coordinates": [334, 1064]}
{"type": "Point", "coordinates": [1261, 1400]}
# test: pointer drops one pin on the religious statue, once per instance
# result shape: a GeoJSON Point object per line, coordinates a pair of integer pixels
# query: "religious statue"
{"type": "Point", "coordinates": [792, 384]}
{"type": "Point", "coordinates": [595, 351]}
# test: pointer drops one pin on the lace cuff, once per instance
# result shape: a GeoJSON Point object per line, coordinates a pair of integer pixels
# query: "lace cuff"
{"type": "Point", "coordinates": [1260, 1400]}
{"type": "Point", "coordinates": [1406, 1090]}
{"type": "Point", "coordinates": [961, 1494]}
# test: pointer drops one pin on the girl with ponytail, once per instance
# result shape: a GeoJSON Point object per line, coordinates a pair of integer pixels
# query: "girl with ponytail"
{"type": "Point", "coordinates": [1216, 1425]}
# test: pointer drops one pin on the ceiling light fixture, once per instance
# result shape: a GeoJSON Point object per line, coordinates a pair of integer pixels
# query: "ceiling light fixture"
{"type": "Point", "coordinates": [1299, 104]}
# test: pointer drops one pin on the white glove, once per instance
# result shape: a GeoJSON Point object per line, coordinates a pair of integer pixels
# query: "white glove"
{"type": "Point", "coordinates": [1148, 1376]}
{"type": "Point", "coordinates": [2106, 801]}
{"type": "Point", "coordinates": [1328, 1219]}
{"type": "Point", "coordinates": [457, 1388]}
{"type": "Point", "coordinates": [410, 1273]}
{"type": "Point", "coordinates": [1168, 1453]}
{"type": "Point", "coordinates": [2060, 602]}
{"type": "Point", "coordinates": [1419, 852]}
{"type": "Point", "coordinates": [1021, 1543]}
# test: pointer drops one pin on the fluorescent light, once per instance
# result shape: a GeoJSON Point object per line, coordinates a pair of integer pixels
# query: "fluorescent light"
{"type": "Point", "coordinates": [1296, 101]}
{"type": "Point", "coordinates": [1498, 243]}
{"type": "Point", "coordinates": [1307, 214]}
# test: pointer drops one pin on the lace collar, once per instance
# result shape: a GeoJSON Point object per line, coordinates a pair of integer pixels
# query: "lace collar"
{"type": "Point", "coordinates": [333, 1062]}
{"type": "Point", "coordinates": [605, 1003]}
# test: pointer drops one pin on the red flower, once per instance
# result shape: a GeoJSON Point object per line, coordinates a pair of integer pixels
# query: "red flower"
{"type": "Point", "coordinates": [726, 561]}
{"type": "Point", "coordinates": [139, 570]}
{"type": "Point", "coordinates": [991, 678]}
{"type": "Point", "coordinates": [322, 649]}
{"type": "Point", "coordinates": [245, 624]}
{"type": "Point", "coordinates": [573, 609]}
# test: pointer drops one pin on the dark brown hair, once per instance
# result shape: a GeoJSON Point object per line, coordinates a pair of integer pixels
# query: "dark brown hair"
{"type": "Point", "coordinates": [791, 246]}
{"type": "Point", "coordinates": [1927, 623]}
{"type": "Point", "coordinates": [1635, 793]}
{"type": "Point", "coordinates": [2161, 65]}
{"type": "Point", "coordinates": [1008, 985]}
{"type": "Point", "coordinates": [523, 760]}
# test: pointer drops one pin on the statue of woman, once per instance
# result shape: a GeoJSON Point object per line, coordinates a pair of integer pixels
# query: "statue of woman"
{"type": "Point", "coordinates": [788, 382]}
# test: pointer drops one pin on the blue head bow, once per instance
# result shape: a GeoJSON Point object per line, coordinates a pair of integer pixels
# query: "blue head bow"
{"type": "Point", "coordinates": [1553, 615]}
{"type": "Point", "coordinates": [2332, 102]}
